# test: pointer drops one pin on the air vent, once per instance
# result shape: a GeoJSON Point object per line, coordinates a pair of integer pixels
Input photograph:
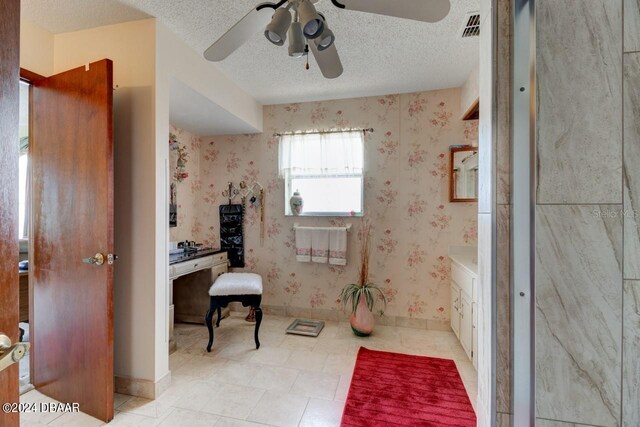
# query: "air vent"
{"type": "Point", "coordinates": [471, 25]}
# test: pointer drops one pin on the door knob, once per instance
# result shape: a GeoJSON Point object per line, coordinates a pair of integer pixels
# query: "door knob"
{"type": "Point", "coordinates": [97, 259]}
{"type": "Point", "coordinates": [10, 354]}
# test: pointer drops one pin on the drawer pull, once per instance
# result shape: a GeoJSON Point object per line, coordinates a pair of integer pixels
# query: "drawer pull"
{"type": "Point", "coordinates": [195, 265]}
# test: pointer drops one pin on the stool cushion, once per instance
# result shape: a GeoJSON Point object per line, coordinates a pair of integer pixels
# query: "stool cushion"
{"type": "Point", "coordinates": [237, 284]}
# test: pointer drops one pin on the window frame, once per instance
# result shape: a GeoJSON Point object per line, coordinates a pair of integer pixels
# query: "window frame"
{"type": "Point", "coordinates": [30, 78]}
{"type": "Point", "coordinates": [288, 192]}
{"type": "Point", "coordinates": [288, 176]}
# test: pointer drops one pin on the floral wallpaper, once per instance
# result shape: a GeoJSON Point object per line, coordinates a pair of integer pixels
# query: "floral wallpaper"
{"type": "Point", "coordinates": [406, 200]}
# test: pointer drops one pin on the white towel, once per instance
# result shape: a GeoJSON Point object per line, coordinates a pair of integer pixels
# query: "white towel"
{"type": "Point", "coordinates": [320, 245]}
{"type": "Point", "coordinates": [303, 244]}
{"type": "Point", "coordinates": [338, 246]}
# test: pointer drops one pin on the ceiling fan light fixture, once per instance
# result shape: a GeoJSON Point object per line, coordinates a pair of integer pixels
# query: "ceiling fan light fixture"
{"type": "Point", "coordinates": [326, 39]}
{"type": "Point", "coordinates": [312, 22]}
{"type": "Point", "coordinates": [276, 31]}
{"type": "Point", "coordinates": [296, 40]}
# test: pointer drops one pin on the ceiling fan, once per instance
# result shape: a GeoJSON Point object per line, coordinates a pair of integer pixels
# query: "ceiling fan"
{"type": "Point", "coordinates": [308, 30]}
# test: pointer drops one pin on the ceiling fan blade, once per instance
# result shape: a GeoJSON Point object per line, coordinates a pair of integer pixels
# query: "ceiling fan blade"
{"type": "Point", "coordinates": [418, 10]}
{"type": "Point", "coordinates": [239, 34]}
{"type": "Point", "coordinates": [328, 60]}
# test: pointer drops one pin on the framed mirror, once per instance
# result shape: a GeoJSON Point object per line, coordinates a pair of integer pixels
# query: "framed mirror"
{"type": "Point", "coordinates": [463, 174]}
{"type": "Point", "coordinates": [173, 206]}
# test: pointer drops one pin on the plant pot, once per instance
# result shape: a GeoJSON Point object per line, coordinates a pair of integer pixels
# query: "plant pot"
{"type": "Point", "coordinates": [362, 320]}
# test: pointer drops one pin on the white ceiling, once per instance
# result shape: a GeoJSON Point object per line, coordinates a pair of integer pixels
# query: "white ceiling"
{"type": "Point", "coordinates": [381, 55]}
{"type": "Point", "coordinates": [61, 16]}
{"type": "Point", "coordinates": [196, 113]}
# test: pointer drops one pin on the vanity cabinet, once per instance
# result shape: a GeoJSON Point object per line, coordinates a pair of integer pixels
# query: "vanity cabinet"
{"type": "Point", "coordinates": [463, 308]}
{"type": "Point", "coordinates": [455, 313]}
{"type": "Point", "coordinates": [190, 278]}
{"type": "Point", "coordinates": [466, 324]}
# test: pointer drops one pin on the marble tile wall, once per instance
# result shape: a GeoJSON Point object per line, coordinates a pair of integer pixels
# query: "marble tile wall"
{"type": "Point", "coordinates": [631, 322]}
{"type": "Point", "coordinates": [632, 25]}
{"type": "Point", "coordinates": [503, 209]}
{"type": "Point", "coordinates": [631, 170]}
{"type": "Point", "coordinates": [503, 310]}
{"type": "Point", "coordinates": [579, 109]}
{"type": "Point", "coordinates": [541, 422]}
{"type": "Point", "coordinates": [587, 363]}
{"type": "Point", "coordinates": [631, 350]}
{"type": "Point", "coordinates": [578, 313]}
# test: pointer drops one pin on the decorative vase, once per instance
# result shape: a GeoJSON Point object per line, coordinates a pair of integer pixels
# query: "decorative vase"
{"type": "Point", "coordinates": [362, 319]}
{"type": "Point", "coordinates": [297, 203]}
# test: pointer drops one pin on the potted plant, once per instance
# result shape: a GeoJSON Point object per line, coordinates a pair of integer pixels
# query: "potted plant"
{"type": "Point", "coordinates": [362, 296]}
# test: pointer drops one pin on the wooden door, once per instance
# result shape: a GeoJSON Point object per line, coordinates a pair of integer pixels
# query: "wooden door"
{"type": "Point", "coordinates": [71, 151]}
{"type": "Point", "coordinates": [9, 78]}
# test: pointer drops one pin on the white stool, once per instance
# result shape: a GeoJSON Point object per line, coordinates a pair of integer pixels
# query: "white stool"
{"type": "Point", "coordinates": [245, 288]}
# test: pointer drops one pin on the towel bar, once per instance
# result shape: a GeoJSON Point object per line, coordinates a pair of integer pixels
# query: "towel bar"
{"type": "Point", "coordinates": [347, 227]}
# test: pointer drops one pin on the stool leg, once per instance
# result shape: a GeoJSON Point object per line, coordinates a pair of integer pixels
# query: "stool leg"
{"type": "Point", "coordinates": [208, 320]}
{"type": "Point", "coordinates": [258, 321]}
{"type": "Point", "coordinates": [219, 317]}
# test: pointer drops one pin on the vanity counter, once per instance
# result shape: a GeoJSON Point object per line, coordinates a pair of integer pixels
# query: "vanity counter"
{"type": "Point", "coordinates": [465, 257]}
{"type": "Point", "coordinates": [187, 256]}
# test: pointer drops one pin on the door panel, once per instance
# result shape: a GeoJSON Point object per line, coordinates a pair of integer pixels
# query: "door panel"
{"type": "Point", "coordinates": [9, 77]}
{"type": "Point", "coordinates": [72, 219]}
{"type": "Point", "coordinates": [466, 323]}
{"type": "Point", "coordinates": [455, 310]}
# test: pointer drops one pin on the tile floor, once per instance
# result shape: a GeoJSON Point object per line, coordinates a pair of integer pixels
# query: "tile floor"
{"type": "Point", "coordinates": [290, 381]}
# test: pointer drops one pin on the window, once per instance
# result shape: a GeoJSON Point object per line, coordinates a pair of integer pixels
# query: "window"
{"type": "Point", "coordinates": [23, 196]}
{"type": "Point", "coordinates": [326, 169]}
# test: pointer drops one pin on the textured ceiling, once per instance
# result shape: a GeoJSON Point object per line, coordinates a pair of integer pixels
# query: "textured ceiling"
{"type": "Point", "coordinates": [381, 55]}
{"type": "Point", "coordinates": [61, 16]}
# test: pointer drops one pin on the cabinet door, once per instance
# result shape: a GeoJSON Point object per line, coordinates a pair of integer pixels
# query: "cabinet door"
{"type": "Point", "coordinates": [455, 312]}
{"type": "Point", "coordinates": [474, 334]}
{"type": "Point", "coordinates": [466, 323]}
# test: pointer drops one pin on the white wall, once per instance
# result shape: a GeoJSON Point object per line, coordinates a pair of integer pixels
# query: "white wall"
{"type": "Point", "coordinates": [131, 47]}
{"type": "Point", "coordinates": [470, 90]}
{"type": "Point", "coordinates": [37, 52]}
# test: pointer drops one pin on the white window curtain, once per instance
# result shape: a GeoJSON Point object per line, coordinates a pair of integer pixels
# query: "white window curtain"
{"type": "Point", "coordinates": [328, 154]}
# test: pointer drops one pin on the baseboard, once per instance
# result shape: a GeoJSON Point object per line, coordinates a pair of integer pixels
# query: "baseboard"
{"type": "Point", "coordinates": [342, 316]}
{"type": "Point", "coordinates": [142, 388]}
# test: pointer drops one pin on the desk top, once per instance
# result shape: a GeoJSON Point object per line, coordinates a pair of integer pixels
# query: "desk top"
{"type": "Point", "coordinates": [187, 256]}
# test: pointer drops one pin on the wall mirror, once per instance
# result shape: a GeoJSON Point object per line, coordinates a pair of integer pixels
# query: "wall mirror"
{"type": "Point", "coordinates": [463, 173]}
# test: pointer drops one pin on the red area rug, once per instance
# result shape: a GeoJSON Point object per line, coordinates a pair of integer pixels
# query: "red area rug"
{"type": "Point", "coordinates": [391, 389]}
